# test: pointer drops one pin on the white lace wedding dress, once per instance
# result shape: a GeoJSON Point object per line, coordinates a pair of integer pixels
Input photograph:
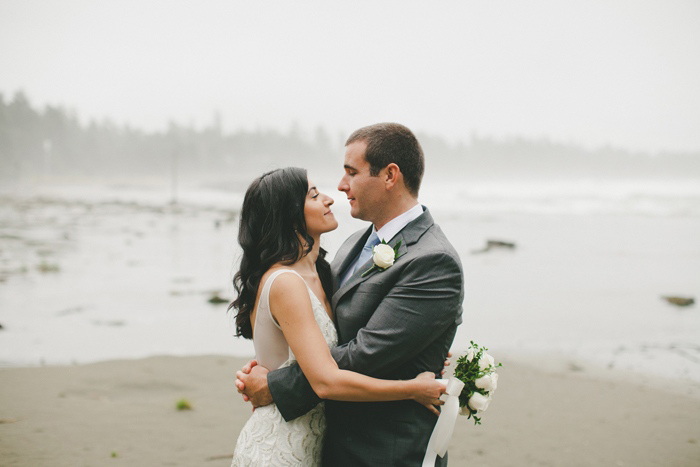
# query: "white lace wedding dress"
{"type": "Point", "coordinates": [266, 439]}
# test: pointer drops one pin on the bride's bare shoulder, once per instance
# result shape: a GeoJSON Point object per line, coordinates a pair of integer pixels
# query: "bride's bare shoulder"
{"type": "Point", "coordinates": [288, 289]}
{"type": "Point", "coordinates": [266, 276]}
{"type": "Point", "coordinates": [286, 282]}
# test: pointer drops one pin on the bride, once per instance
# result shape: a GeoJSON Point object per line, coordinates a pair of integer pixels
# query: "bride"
{"type": "Point", "coordinates": [283, 286]}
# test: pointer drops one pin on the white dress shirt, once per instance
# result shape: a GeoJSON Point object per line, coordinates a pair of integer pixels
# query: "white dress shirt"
{"type": "Point", "coordinates": [388, 231]}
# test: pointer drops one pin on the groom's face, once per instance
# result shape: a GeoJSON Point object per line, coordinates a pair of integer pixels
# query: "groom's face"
{"type": "Point", "coordinates": [366, 193]}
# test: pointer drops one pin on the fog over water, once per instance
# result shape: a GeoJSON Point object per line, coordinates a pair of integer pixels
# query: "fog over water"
{"type": "Point", "coordinates": [623, 73]}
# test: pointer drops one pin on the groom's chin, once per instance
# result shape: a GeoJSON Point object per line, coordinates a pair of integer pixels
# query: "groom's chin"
{"type": "Point", "coordinates": [356, 214]}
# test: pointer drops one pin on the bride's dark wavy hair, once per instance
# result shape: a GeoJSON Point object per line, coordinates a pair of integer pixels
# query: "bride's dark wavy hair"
{"type": "Point", "coordinates": [272, 230]}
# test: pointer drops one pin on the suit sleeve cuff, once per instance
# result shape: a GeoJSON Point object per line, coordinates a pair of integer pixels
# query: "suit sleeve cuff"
{"type": "Point", "coordinates": [291, 392]}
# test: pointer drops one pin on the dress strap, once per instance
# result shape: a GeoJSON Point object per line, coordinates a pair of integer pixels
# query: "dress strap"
{"type": "Point", "coordinates": [264, 305]}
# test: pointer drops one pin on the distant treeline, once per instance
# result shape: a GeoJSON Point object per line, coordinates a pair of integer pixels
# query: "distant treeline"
{"type": "Point", "coordinates": [53, 142]}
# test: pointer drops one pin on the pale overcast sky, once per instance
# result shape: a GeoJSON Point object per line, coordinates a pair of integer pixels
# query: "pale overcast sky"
{"type": "Point", "coordinates": [625, 73]}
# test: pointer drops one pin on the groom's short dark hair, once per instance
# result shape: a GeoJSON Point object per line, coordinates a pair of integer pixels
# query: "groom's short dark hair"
{"type": "Point", "coordinates": [392, 142]}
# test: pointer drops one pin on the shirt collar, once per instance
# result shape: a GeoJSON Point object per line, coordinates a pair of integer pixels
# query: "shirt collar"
{"type": "Point", "coordinates": [395, 225]}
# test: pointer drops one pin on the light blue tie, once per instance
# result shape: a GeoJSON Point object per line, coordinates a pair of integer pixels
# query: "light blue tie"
{"type": "Point", "coordinates": [366, 252]}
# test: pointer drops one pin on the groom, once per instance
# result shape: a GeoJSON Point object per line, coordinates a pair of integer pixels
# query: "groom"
{"type": "Point", "coordinates": [392, 323]}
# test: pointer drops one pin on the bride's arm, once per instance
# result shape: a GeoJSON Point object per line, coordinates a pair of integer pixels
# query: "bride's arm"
{"type": "Point", "coordinates": [290, 305]}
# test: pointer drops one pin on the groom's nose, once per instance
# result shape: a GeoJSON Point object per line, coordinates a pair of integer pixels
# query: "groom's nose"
{"type": "Point", "coordinates": [343, 185]}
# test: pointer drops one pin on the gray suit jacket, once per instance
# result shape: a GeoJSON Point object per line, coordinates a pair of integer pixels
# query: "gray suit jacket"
{"type": "Point", "coordinates": [392, 324]}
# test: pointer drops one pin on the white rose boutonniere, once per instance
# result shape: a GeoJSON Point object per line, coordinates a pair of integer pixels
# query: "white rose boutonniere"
{"type": "Point", "coordinates": [383, 256]}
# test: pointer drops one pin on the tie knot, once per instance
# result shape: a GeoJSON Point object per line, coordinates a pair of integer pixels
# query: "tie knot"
{"type": "Point", "coordinates": [372, 241]}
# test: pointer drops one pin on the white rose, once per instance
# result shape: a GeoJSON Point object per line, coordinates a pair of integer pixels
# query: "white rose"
{"type": "Point", "coordinates": [488, 382]}
{"type": "Point", "coordinates": [470, 354]}
{"type": "Point", "coordinates": [383, 255]}
{"type": "Point", "coordinates": [485, 361]}
{"type": "Point", "coordinates": [479, 402]}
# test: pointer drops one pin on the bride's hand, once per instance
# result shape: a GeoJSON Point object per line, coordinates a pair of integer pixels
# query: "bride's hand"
{"type": "Point", "coordinates": [428, 391]}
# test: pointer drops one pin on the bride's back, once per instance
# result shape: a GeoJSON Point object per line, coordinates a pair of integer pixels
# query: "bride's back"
{"type": "Point", "coordinates": [271, 348]}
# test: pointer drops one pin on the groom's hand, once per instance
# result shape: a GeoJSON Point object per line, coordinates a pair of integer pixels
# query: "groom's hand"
{"type": "Point", "coordinates": [253, 384]}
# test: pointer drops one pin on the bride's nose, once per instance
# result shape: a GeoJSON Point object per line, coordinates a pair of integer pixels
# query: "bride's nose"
{"type": "Point", "coordinates": [329, 200]}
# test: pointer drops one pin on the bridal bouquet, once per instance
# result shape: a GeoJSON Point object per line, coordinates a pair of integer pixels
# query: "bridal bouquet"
{"type": "Point", "coordinates": [477, 370]}
{"type": "Point", "coordinates": [468, 392]}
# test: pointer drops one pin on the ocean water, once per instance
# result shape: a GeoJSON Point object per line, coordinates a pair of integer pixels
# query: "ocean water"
{"type": "Point", "coordinates": [92, 272]}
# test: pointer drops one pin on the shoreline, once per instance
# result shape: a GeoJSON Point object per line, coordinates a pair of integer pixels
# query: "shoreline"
{"type": "Point", "coordinates": [85, 414]}
{"type": "Point", "coordinates": [551, 363]}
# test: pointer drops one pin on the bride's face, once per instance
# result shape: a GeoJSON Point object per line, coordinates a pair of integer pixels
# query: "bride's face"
{"type": "Point", "coordinates": [317, 212]}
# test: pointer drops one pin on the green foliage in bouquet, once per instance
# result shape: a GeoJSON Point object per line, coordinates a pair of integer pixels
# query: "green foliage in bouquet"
{"type": "Point", "coordinates": [468, 371]}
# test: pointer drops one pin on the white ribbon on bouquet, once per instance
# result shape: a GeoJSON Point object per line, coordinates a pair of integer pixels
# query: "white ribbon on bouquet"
{"type": "Point", "coordinates": [442, 433]}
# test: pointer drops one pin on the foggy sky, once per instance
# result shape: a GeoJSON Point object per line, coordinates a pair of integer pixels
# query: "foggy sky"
{"type": "Point", "coordinates": [624, 73]}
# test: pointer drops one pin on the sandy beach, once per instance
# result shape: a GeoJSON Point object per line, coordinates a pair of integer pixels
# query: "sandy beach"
{"type": "Point", "coordinates": [124, 413]}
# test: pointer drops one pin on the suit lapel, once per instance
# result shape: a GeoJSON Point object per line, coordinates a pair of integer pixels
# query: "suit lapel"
{"type": "Point", "coordinates": [357, 278]}
{"type": "Point", "coordinates": [348, 252]}
{"type": "Point", "coordinates": [346, 255]}
{"type": "Point", "coordinates": [408, 236]}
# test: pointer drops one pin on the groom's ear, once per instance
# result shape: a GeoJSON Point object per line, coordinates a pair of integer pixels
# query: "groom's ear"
{"type": "Point", "coordinates": [392, 176]}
